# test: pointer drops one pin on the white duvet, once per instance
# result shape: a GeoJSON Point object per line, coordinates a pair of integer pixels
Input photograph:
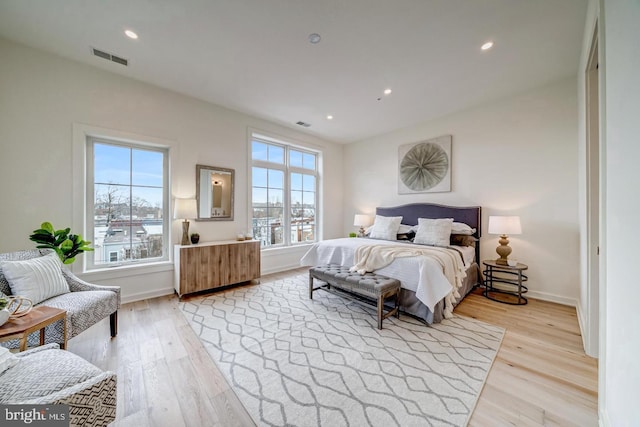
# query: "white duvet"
{"type": "Point", "coordinates": [419, 274]}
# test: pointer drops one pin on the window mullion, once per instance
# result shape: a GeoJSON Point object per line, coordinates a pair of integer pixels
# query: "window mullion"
{"type": "Point", "coordinates": [287, 208]}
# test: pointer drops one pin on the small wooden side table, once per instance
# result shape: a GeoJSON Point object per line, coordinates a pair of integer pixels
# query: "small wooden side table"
{"type": "Point", "coordinates": [38, 318]}
{"type": "Point", "coordinates": [511, 276]}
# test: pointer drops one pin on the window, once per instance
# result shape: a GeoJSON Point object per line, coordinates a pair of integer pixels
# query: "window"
{"type": "Point", "coordinates": [284, 193]}
{"type": "Point", "coordinates": [127, 198]}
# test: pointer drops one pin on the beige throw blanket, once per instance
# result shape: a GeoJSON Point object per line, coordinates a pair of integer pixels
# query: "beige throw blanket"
{"type": "Point", "coordinates": [374, 257]}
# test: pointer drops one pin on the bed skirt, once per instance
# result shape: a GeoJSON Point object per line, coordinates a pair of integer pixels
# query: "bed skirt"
{"type": "Point", "coordinates": [409, 304]}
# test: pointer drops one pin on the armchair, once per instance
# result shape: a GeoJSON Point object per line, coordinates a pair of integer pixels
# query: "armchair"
{"type": "Point", "coordinates": [86, 304]}
{"type": "Point", "coordinates": [48, 375]}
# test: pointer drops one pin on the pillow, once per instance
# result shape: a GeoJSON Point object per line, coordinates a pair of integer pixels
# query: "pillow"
{"type": "Point", "coordinates": [462, 240]}
{"type": "Point", "coordinates": [385, 227]}
{"type": "Point", "coordinates": [462, 228]}
{"type": "Point", "coordinates": [7, 359]}
{"type": "Point", "coordinates": [405, 229]}
{"type": "Point", "coordinates": [37, 279]}
{"type": "Point", "coordinates": [434, 232]}
{"type": "Point", "coordinates": [405, 236]}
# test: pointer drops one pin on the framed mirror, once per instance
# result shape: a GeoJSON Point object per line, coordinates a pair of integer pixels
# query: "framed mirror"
{"type": "Point", "coordinates": [214, 193]}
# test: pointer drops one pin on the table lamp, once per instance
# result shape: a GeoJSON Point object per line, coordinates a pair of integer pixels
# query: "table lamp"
{"type": "Point", "coordinates": [504, 225]}
{"type": "Point", "coordinates": [361, 221]}
{"type": "Point", "coordinates": [185, 209]}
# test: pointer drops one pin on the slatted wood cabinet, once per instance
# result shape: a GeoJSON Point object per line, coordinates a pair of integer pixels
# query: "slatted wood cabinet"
{"type": "Point", "coordinates": [212, 265]}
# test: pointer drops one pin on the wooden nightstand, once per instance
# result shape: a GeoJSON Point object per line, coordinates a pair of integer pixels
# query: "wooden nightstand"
{"type": "Point", "coordinates": [509, 277]}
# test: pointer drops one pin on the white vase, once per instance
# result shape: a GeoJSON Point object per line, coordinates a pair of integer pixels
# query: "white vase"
{"type": "Point", "coordinates": [4, 316]}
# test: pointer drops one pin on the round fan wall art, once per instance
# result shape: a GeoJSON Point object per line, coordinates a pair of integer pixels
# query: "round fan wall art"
{"type": "Point", "coordinates": [425, 166]}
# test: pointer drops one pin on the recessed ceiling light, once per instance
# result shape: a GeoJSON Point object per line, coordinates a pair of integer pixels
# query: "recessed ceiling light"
{"type": "Point", "coordinates": [131, 34]}
{"type": "Point", "coordinates": [387, 91]}
{"type": "Point", "coordinates": [314, 38]}
{"type": "Point", "coordinates": [487, 46]}
{"type": "Point", "coordinates": [329, 117]}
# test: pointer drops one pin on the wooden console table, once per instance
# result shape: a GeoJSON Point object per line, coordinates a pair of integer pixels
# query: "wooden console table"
{"type": "Point", "coordinates": [211, 265]}
{"type": "Point", "coordinates": [38, 318]}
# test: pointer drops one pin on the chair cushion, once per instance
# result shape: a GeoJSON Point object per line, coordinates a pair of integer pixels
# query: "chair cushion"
{"type": "Point", "coordinates": [43, 373]}
{"type": "Point", "coordinates": [7, 359]}
{"type": "Point", "coordinates": [84, 309]}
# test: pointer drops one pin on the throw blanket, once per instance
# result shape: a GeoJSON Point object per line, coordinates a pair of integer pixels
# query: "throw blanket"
{"type": "Point", "coordinates": [369, 258]}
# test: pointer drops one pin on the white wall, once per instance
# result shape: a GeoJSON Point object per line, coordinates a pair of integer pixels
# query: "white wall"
{"type": "Point", "coordinates": [619, 405]}
{"type": "Point", "coordinates": [43, 96]}
{"type": "Point", "coordinates": [515, 156]}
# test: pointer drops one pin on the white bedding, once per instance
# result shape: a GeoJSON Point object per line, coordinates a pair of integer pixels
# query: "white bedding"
{"type": "Point", "coordinates": [429, 284]}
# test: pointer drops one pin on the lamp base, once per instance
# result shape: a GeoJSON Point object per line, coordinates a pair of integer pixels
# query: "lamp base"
{"type": "Point", "coordinates": [185, 233]}
{"type": "Point", "coordinates": [503, 250]}
{"type": "Point", "coordinates": [361, 232]}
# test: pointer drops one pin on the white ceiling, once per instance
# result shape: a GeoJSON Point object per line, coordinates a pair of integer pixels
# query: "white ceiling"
{"type": "Point", "coordinates": [254, 56]}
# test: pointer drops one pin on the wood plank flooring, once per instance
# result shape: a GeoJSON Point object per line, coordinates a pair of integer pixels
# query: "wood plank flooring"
{"type": "Point", "coordinates": [541, 376]}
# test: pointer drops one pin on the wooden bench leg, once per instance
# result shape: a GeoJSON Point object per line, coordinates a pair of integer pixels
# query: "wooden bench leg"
{"type": "Point", "coordinates": [310, 286]}
{"type": "Point", "coordinates": [380, 307]}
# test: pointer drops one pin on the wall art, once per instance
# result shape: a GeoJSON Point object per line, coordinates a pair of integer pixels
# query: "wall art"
{"type": "Point", "coordinates": [425, 167]}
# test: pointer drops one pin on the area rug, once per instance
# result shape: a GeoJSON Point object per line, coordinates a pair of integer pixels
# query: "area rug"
{"type": "Point", "coordinates": [293, 361]}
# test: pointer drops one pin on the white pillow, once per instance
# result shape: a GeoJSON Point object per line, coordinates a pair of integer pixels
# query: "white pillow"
{"type": "Point", "coordinates": [434, 232]}
{"type": "Point", "coordinates": [385, 227]}
{"type": "Point", "coordinates": [405, 229]}
{"type": "Point", "coordinates": [7, 359]}
{"type": "Point", "coordinates": [462, 228]}
{"type": "Point", "coordinates": [37, 279]}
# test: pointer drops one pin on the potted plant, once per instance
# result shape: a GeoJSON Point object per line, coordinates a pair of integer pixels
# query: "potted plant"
{"type": "Point", "coordinates": [66, 245]}
{"type": "Point", "coordinates": [353, 235]}
{"type": "Point", "coordinates": [195, 238]}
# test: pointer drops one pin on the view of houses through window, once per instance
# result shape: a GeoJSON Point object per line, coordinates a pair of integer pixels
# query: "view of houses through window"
{"type": "Point", "coordinates": [126, 213]}
{"type": "Point", "coordinates": [284, 193]}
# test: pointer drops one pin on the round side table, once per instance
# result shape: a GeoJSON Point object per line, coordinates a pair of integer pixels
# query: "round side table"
{"type": "Point", "coordinates": [510, 278]}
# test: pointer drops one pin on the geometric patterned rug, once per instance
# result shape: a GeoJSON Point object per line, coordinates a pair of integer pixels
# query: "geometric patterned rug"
{"type": "Point", "coordinates": [293, 361]}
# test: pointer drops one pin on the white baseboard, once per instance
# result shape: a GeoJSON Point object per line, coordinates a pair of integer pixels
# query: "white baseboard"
{"type": "Point", "coordinates": [559, 299]}
{"type": "Point", "coordinates": [583, 334]}
{"type": "Point", "coordinates": [147, 295]}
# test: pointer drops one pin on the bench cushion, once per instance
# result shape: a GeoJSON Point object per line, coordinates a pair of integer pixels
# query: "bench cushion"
{"type": "Point", "coordinates": [369, 283]}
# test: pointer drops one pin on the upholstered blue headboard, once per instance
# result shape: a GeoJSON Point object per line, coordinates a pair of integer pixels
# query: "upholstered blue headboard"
{"type": "Point", "coordinates": [470, 215]}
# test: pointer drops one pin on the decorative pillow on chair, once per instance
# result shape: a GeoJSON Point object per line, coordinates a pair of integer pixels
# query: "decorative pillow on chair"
{"type": "Point", "coordinates": [434, 232]}
{"type": "Point", "coordinates": [385, 227]}
{"type": "Point", "coordinates": [37, 278]}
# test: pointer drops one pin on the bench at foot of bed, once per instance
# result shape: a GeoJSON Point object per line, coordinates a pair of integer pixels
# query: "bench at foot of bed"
{"type": "Point", "coordinates": [369, 285]}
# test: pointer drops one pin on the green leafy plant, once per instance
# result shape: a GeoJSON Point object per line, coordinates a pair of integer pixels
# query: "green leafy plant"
{"type": "Point", "coordinates": [3, 303]}
{"type": "Point", "coordinates": [66, 245]}
{"type": "Point", "coordinates": [353, 235]}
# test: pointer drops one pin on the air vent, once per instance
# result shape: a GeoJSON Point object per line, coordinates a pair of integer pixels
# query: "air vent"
{"type": "Point", "coordinates": [110, 57]}
{"type": "Point", "coordinates": [303, 124]}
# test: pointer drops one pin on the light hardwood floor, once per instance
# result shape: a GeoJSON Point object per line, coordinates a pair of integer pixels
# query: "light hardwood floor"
{"type": "Point", "coordinates": [541, 376]}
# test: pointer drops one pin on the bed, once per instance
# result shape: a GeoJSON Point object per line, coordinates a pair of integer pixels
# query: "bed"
{"type": "Point", "coordinates": [424, 287]}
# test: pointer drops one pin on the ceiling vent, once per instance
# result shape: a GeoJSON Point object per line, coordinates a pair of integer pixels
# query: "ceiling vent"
{"type": "Point", "coordinates": [303, 124]}
{"type": "Point", "coordinates": [110, 57]}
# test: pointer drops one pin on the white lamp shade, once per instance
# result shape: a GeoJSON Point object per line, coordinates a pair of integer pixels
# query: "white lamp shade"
{"type": "Point", "coordinates": [507, 225]}
{"type": "Point", "coordinates": [185, 209]}
{"type": "Point", "coordinates": [362, 220]}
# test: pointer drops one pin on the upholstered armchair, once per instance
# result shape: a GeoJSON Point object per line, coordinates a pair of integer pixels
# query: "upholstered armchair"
{"type": "Point", "coordinates": [86, 304]}
{"type": "Point", "coordinates": [48, 375]}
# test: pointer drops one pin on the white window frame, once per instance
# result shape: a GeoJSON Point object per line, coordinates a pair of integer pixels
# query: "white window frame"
{"type": "Point", "coordinates": [287, 170]}
{"type": "Point", "coordinates": [90, 140]}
